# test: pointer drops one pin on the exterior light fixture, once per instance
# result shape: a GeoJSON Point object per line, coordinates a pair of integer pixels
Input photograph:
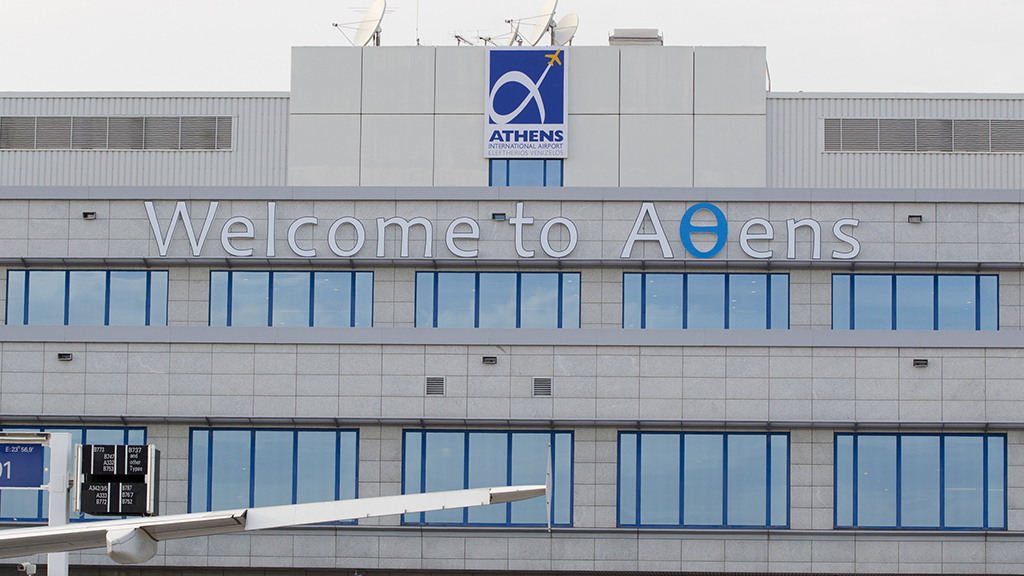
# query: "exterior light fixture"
{"type": "Point", "coordinates": [915, 219]}
{"type": "Point", "coordinates": [64, 356]}
{"type": "Point", "coordinates": [88, 215]}
{"type": "Point", "coordinates": [920, 362]}
{"type": "Point", "coordinates": [490, 359]}
{"type": "Point", "coordinates": [498, 216]}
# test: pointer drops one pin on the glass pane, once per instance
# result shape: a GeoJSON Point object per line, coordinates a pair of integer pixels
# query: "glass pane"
{"type": "Point", "coordinates": [291, 299]}
{"type": "Point", "coordinates": [128, 295]}
{"type": "Point", "coordinates": [989, 298]}
{"type": "Point", "coordinates": [919, 481]}
{"type": "Point", "coordinates": [780, 480]}
{"type": "Point", "coordinates": [425, 299]}
{"type": "Point", "coordinates": [444, 470]}
{"type": "Point", "coordinates": [218, 298]}
{"type": "Point", "coordinates": [525, 172]}
{"type": "Point", "coordinates": [780, 301]}
{"type": "Point", "coordinates": [631, 300]}
{"type": "Point", "coordinates": [570, 300]}
{"type": "Point", "coordinates": [553, 175]}
{"type": "Point", "coordinates": [332, 299]}
{"type": "Point", "coordinates": [87, 296]}
{"type": "Point", "coordinates": [349, 454]}
{"type": "Point", "coordinates": [158, 298]}
{"type": "Point", "coordinates": [199, 470]}
{"type": "Point", "coordinates": [663, 301]}
{"type": "Point", "coordinates": [957, 304]}
{"type": "Point", "coordinates": [659, 479]}
{"type": "Point", "coordinates": [705, 301]}
{"type": "Point", "coordinates": [915, 302]}
{"type": "Point", "coordinates": [876, 481]}
{"type": "Point", "coordinates": [104, 436]}
{"type": "Point", "coordinates": [136, 436]}
{"type": "Point", "coordinates": [250, 298]}
{"type": "Point", "coordinates": [456, 299]}
{"type": "Point", "coordinates": [46, 297]}
{"type": "Point", "coordinates": [996, 481]}
{"type": "Point", "coordinates": [563, 480]}
{"type": "Point", "coordinates": [497, 300]}
{"type": "Point", "coordinates": [229, 486]}
{"type": "Point", "coordinates": [529, 466]}
{"type": "Point", "coordinates": [872, 302]}
{"type": "Point", "coordinates": [272, 473]}
{"type": "Point", "coordinates": [488, 466]}
{"type": "Point", "coordinates": [16, 297]}
{"type": "Point", "coordinates": [627, 477]}
{"type": "Point", "coordinates": [412, 468]}
{"type": "Point", "coordinates": [538, 297]}
{"type": "Point", "coordinates": [841, 302]}
{"type": "Point", "coordinates": [702, 479]}
{"type": "Point", "coordinates": [748, 480]}
{"type": "Point", "coordinates": [748, 301]}
{"type": "Point", "coordinates": [499, 172]}
{"type": "Point", "coordinates": [964, 482]}
{"type": "Point", "coordinates": [364, 299]}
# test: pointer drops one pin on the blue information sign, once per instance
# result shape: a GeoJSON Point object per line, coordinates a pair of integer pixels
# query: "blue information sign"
{"type": "Point", "coordinates": [21, 465]}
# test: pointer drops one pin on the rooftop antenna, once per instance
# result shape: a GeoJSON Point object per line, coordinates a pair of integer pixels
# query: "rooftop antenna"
{"type": "Point", "coordinates": [544, 21]}
{"type": "Point", "coordinates": [369, 27]}
{"type": "Point", "coordinates": [563, 32]}
{"type": "Point", "coordinates": [515, 32]}
{"type": "Point", "coordinates": [459, 39]}
{"type": "Point", "coordinates": [418, 22]}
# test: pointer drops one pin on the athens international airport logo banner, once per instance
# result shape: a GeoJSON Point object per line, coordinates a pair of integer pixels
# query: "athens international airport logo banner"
{"type": "Point", "coordinates": [527, 94]}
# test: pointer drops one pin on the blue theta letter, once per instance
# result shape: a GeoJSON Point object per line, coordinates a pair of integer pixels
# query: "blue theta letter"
{"type": "Point", "coordinates": [720, 230]}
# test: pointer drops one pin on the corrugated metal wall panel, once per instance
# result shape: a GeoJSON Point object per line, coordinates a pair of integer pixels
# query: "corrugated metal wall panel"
{"type": "Point", "coordinates": [796, 158]}
{"type": "Point", "coordinates": [258, 157]}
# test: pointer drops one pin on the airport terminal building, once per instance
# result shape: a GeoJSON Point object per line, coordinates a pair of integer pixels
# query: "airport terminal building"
{"type": "Point", "coordinates": [760, 331]}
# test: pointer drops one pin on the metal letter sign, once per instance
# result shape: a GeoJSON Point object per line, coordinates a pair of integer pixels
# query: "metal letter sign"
{"type": "Point", "coordinates": [21, 465]}
{"type": "Point", "coordinates": [527, 95]}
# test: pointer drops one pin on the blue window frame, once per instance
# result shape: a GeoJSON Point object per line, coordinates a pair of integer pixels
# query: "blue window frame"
{"type": "Point", "coordinates": [915, 302]}
{"type": "Point", "coordinates": [238, 468]}
{"type": "Point", "coordinates": [331, 299]}
{"type": "Point", "coordinates": [34, 506]}
{"type": "Point", "coordinates": [702, 300]}
{"type": "Point", "coordinates": [498, 299]}
{"type": "Point", "coordinates": [434, 460]}
{"type": "Point", "coordinates": [703, 479]}
{"type": "Point", "coordinates": [526, 172]}
{"type": "Point", "coordinates": [916, 481]}
{"type": "Point", "coordinates": [84, 297]}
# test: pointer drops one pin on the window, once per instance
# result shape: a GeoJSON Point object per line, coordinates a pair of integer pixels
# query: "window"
{"type": "Point", "coordinates": [239, 468]}
{"type": "Point", "coordinates": [334, 299]}
{"type": "Point", "coordinates": [498, 299]}
{"type": "Point", "coordinates": [703, 479]}
{"type": "Point", "coordinates": [918, 481]}
{"type": "Point", "coordinates": [84, 297]}
{"type": "Point", "coordinates": [455, 460]}
{"type": "Point", "coordinates": [115, 132]}
{"type": "Point", "coordinates": [526, 172]}
{"type": "Point", "coordinates": [915, 302]}
{"type": "Point", "coordinates": [689, 300]}
{"type": "Point", "coordinates": [34, 506]}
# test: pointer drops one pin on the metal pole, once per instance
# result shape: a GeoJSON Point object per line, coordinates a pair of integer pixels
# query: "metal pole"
{"type": "Point", "coordinates": [60, 474]}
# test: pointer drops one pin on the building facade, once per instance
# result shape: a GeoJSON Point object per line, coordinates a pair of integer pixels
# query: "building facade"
{"type": "Point", "coordinates": [760, 332]}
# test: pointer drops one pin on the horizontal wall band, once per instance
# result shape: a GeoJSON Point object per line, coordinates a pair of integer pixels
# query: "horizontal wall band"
{"type": "Point", "coordinates": [900, 339]}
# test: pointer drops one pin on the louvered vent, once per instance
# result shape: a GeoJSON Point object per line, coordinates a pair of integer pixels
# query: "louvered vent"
{"type": "Point", "coordinates": [542, 386]}
{"type": "Point", "coordinates": [435, 385]}
{"type": "Point", "coordinates": [923, 135]}
{"type": "Point", "coordinates": [115, 133]}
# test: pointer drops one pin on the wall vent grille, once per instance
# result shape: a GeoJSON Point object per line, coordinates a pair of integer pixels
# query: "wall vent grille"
{"type": "Point", "coordinates": [116, 132]}
{"type": "Point", "coordinates": [435, 385]}
{"type": "Point", "coordinates": [542, 386]}
{"type": "Point", "coordinates": [923, 135]}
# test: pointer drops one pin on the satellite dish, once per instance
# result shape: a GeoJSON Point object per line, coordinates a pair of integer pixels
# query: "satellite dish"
{"type": "Point", "coordinates": [543, 22]}
{"type": "Point", "coordinates": [566, 29]}
{"type": "Point", "coordinates": [369, 29]}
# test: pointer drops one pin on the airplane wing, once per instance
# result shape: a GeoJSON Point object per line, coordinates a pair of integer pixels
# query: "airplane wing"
{"type": "Point", "coordinates": [134, 540]}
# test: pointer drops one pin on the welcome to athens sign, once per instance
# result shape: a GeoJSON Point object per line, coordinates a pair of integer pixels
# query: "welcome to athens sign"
{"type": "Point", "coordinates": [239, 236]}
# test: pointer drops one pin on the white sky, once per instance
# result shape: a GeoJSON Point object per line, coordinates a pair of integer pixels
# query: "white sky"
{"type": "Point", "coordinates": [243, 45]}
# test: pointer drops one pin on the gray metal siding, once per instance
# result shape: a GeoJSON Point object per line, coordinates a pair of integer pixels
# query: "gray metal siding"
{"type": "Point", "coordinates": [258, 157]}
{"type": "Point", "coordinates": [796, 158]}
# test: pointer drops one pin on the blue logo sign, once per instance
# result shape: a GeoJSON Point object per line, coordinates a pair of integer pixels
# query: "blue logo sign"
{"type": "Point", "coordinates": [21, 465]}
{"type": "Point", "coordinates": [526, 103]}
